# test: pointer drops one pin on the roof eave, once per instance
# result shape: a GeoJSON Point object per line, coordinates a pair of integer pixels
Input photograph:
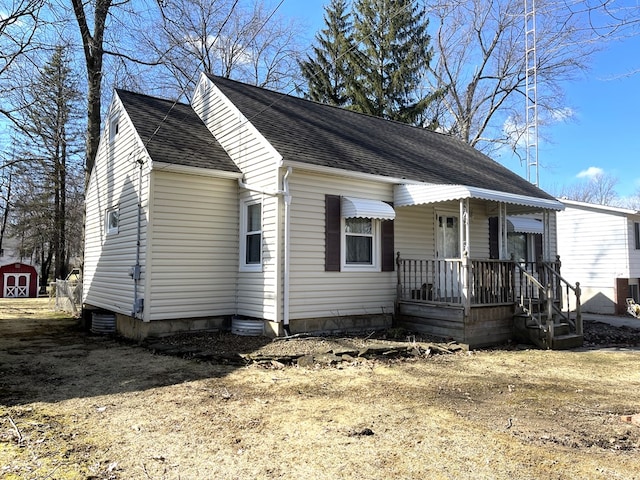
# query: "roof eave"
{"type": "Point", "coordinates": [186, 169]}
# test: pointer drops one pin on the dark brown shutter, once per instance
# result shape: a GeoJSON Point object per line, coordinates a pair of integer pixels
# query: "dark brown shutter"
{"type": "Point", "coordinates": [332, 233]}
{"type": "Point", "coordinates": [494, 251]}
{"type": "Point", "coordinates": [537, 246]}
{"type": "Point", "coordinates": [388, 258]}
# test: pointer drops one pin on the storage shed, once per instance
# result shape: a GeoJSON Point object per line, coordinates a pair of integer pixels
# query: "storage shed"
{"type": "Point", "coordinates": [18, 280]}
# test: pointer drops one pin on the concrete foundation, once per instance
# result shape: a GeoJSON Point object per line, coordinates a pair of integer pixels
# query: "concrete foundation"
{"type": "Point", "coordinates": [136, 329]}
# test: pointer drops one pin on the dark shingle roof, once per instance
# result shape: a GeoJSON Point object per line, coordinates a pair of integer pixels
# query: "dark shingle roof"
{"type": "Point", "coordinates": [323, 135]}
{"type": "Point", "coordinates": [181, 137]}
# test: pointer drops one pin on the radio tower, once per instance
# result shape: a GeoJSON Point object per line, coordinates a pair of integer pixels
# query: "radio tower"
{"type": "Point", "coordinates": [531, 92]}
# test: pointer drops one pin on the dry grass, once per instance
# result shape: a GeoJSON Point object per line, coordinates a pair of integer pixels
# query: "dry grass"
{"type": "Point", "coordinates": [76, 406]}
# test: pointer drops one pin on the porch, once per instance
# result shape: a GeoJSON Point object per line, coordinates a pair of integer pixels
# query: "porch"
{"type": "Point", "coordinates": [481, 302]}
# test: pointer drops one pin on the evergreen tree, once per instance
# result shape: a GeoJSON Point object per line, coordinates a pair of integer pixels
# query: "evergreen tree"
{"type": "Point", "coordinates": [327, 72]}
{"type": "Point", "coordinates": [51, 160]}
{"type": "Point", "coordinates": [392, 58]}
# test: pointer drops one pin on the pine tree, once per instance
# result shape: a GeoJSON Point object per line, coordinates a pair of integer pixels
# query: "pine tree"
{"type": "Point", "coordinates": [393, 55]}
{"type": "Point", "coordinates": [328, 71]}
{"type": "Point", "coordinates": [52, 137]}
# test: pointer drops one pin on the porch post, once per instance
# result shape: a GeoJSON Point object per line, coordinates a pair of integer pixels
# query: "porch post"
{"type": "Point", "coordinates": [546, 237]}
{"type": "Point", "coordinates": [464, 243]}
{"type": "Point", "coordinates": [502, 230]}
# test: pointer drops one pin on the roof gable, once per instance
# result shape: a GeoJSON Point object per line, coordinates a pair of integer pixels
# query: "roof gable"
{"type": "Point", "coordinates": [326, 136]}
{"type": "Point", "coordinates": [172, 133]}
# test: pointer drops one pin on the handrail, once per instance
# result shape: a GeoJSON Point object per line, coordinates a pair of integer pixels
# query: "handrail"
{"type": "Point", "coordinates": [561, 278]}
{"type": "Point", "coordinates": [533, 279]}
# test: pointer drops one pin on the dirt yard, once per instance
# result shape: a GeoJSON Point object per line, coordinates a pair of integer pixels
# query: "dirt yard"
{"type": "Point", "coordinates": [79, 406]}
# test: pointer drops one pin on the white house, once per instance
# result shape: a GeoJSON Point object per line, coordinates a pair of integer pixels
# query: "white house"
{"type": "Point", "coordinates": [599, 246]}
{"type": "Point", "coordinates": [251, 204]}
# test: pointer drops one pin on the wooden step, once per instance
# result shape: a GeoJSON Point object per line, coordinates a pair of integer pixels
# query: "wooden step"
{"type": "Point", "coordinates": [567, 342]}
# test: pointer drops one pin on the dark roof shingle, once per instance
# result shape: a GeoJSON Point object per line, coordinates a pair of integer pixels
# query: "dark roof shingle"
{"type": "Point", "coordinates": [173, 133]}
{"type": "Point", "coordinates": [313, 133]}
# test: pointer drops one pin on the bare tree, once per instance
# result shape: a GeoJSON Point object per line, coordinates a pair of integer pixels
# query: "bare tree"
{"type": "Point", "coordinates": [19, 23]}
{"type": "Point", "coordinates": [479, 63]}
{"type": "Point", "coordinates": [93, 47]}
{"type": "Point", "coordinates": [6, 182]}
{"type": "Point", "coordinates": [229, 38]}
{"type": "Point", "coordinates": [51, 143]}
{"type": "Point", "coordinates": [600, 189]}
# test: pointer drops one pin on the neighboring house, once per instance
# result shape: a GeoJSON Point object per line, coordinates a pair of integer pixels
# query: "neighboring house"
{"type": "Point", "coordinates": [599, 246]}
{"type": "Point", "coordinates": [10, 251]}
{"type": "Point", "coordinates": [255, 205]}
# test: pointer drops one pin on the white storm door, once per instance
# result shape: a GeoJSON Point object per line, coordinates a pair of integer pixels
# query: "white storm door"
{"type": "Point", "coordinates": [448, 264]}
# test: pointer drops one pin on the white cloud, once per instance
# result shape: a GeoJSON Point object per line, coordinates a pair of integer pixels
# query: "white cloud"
{"type": "Point", "coordinates": [562, 114]}
{"type": "Point", "coordinates": [590, 172]}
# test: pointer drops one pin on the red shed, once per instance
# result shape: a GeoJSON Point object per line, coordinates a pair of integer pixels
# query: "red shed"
{"type": "Point", "coordinates": [18, 280]}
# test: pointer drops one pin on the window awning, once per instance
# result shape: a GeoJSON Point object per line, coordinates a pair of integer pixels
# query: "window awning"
{"type": "Point", "coordinates": [359, 207]}
{"type": "Point", "coordinates": [524, 225]}
{"type": "Point", "coordinates": [419, 194]}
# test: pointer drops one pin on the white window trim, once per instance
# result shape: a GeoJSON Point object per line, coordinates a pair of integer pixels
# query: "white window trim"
{"type": "Point", "coordinates": [244, 206]}
{"type": "Point", "coordinates": [114, 126]}
{"type": "Point", "coordinates": [107, 217]}
{"type": "Point", "coordinates": [376, 254]}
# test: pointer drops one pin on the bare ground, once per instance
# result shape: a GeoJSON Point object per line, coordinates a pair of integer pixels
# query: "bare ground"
{"type": "Point", "coordinates": [80, 406]}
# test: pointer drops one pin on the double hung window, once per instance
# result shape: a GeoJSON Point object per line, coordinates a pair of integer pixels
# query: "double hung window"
{"type": "Point", "coordinates": [360, 242]}
{"type": "Point", "coordinates": [251, 236]}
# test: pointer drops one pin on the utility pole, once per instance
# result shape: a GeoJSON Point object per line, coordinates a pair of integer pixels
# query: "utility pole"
{"type": "Point", "coordinates": [531, 92]}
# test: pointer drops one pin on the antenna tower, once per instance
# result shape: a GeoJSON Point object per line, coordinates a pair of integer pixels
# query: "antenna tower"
{"type": "Point", "coordinates": [531, 92]}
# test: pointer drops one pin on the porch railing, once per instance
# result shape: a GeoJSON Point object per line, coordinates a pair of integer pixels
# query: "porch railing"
{"type": "Point", "coordinates": [488, 282]}
{"type": "Point", "coordinates": [437, 281]}
{"type": "Point", "coordinates": [542, 293]}
{"type": "Point", "coordinates": [483, 282]}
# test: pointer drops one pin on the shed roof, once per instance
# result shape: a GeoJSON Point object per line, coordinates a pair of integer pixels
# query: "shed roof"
{"type": "Point", "coordinates": [173, 133]}
{"type": "Point", "coordinates": [327, 136]}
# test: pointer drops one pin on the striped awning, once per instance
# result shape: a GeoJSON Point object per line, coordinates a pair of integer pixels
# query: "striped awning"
{"type": "Point", "coordinates": [419, 194]}
{"type": "Point", "coordinates": [524, 225]}
{"type": "Point", "coordinates": [363, 208]}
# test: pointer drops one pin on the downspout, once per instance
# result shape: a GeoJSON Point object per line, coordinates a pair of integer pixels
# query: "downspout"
{"type": "Point", "coordinates": [284, 192]}
{"type": "Point", "coordinates": [287, 254]}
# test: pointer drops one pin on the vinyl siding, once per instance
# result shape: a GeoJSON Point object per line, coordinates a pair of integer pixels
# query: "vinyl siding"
{"type": "Point", "coordinates": [414, 232]}
{"type": "Point", "coordinates": [257, 291]}
{"type": "Point", "coordinates": [593, 246]}
{"type": "Point", "coordinates": [193, 247]}
{"type": "Point", "coordinates": [314, 292]}
{"type": "Point", "coordinates": [114, 182]}
{"type": "Point", "coordinates": [634, 255]}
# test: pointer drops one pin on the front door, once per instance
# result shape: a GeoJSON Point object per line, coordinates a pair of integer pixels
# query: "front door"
{"type": "Point", "coordinates": [448, 257]}
{"type": "Point", "coordinates": [16, 285]}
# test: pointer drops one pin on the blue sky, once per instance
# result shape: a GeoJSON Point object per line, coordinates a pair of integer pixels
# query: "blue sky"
{"type": "Point", "coordinates": [603, 136]}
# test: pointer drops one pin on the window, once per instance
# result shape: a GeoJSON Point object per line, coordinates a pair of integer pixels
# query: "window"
{"type": "Point", "coordinates": [448, 237]}
{"type": "Point", "coordinates": [636, 230]}
{"type": "Point", "coordinates": [251, 236]}
{"type": "Point", "coordinates": [114, 127]}
{"type": "Point", "coordinates": [113, 220]}
{"type": "Point", "coordinates": [355, 241]}
{"type": "Point", "coordinates": [517, 246]}
{"type": "Point", "coordinates": [359, 241]}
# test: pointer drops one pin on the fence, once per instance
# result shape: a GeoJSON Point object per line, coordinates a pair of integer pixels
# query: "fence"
{"type": "Point", "coordinates": [68, 295]}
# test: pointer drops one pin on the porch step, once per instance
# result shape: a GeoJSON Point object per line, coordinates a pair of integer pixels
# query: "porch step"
{"type": "Point", "coordinates": [527, 331]}
{"type": "Point", "coordinates": [567, 342]}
